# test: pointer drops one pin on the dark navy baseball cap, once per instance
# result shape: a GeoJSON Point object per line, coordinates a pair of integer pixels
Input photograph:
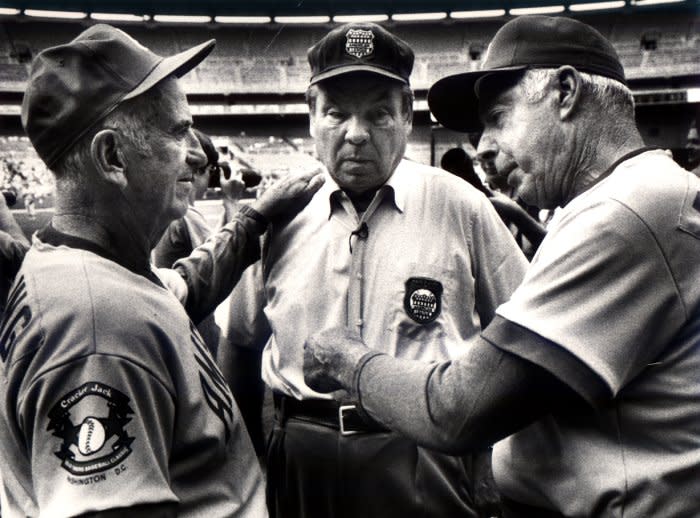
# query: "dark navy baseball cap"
{"type": "Point", "coordinates": [73, 86]}
{"type": "Point", "coordinates": [522, 43]}
{"type": "Point", "coordinates": [360, 47]}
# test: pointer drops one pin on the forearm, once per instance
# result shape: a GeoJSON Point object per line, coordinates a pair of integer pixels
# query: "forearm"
{"type": "Point", "coordinates": [12, 253]}
{"type": "Point", "coordinates": [9, 224]}
{"type": "Point", "coordinates": [457, 406]}
{"type": "Point", "coordinates": [532, 229]}
{"type": "Point", "coordinates": [212, 269]}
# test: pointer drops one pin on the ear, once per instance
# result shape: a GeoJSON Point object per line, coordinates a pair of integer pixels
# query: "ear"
{"type": "Point", "coordinates": [409, 117]}
{"type": "Point", "coordinates": [569, 86]}
{"type": "Point", "coordinates": [312, 124]}
{"type": "Point", "coordinates": [108, 157]}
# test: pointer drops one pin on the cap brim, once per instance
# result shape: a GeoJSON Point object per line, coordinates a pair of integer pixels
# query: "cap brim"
{"type": "Point", "coordinates": [177, 65]}
{"type": "Point", "coordinates": [453, 99]}
{"type": "Point", "coordinates": [355, 68]}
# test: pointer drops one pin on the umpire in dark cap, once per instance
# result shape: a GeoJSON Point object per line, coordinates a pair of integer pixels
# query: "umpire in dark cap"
{"type": "Point", "coordinates": [406, 255]}
{"type": "Point", "coordinates": [110, 403]}
{"type": "Point", "coordinates": [588, 375]}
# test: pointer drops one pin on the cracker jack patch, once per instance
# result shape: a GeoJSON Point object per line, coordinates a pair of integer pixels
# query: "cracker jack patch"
{"type": "Point", "coordinates": [91, 422]}
{"type": "Point", "coordinates": [423, 299]}
{"type": "Point", "coordinates": [359, 42]}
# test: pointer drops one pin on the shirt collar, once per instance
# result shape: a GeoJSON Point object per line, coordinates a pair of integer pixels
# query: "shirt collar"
{"type": "Point", "coordinates": [395, 189]}
{"type": "Point", "coordinates": [56, 238]}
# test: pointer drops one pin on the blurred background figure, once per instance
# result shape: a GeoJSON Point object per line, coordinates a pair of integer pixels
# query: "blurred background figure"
{"type": "Point", "coordinates": [191, 230]}
{"type": "Point", "coordinates": [13, 246]}
{"type": "Point", "coordinates": [458, 162]}
{"type": "Point", "coordinates": [692, 146]}
{"type": "Point", "coordinates": [525, 227]}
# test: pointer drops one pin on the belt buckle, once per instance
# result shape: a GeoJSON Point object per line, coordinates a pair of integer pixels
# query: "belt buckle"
{"type": "Point", "coordinates": [342, 409]}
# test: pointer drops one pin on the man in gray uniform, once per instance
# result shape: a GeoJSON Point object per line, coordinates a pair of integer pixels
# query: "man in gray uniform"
{"type": "Point", "coordinates": [591, 369]}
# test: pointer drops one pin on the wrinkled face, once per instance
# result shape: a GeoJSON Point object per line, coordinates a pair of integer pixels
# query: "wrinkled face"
{"type": "Point", "coordinates": [529, 141]}
{"type": "Point", "coordinates": [160, 178]}
{"type": "Point", "coordinates": [360, 127]}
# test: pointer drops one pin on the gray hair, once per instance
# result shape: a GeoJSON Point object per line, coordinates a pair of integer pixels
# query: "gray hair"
{"type": "Point", "coordinates": [134, 120]}
{"type": "Point", "coordinates": [611, 95]}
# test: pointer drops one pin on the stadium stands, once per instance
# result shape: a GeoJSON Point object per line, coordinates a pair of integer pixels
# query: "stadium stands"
{"type": "Point", "coordinates": [273, 58]}
{"type": "Point", "coordinates": [267, 63]}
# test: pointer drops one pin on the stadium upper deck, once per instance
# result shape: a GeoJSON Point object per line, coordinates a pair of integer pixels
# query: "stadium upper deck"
{"type": "Point", "coordinates": [271, 58]}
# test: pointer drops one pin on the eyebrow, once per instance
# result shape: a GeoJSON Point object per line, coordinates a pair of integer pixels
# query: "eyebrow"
{"type": "Point", "coordinates": [181, 125]}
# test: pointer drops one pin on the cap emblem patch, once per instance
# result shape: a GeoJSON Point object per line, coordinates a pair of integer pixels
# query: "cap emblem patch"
{"type": "Point", "coordinates": [359, 42]}
{"type": "Point", "coordinates": [423, 299]}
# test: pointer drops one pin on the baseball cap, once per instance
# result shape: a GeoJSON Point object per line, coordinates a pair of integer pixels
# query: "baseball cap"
{"type": "Point", "coordinates": [522, 43]}
{"type": "Point", "coordinates": [360, 47]}
{"type": "Point", "coordinates": [73, 86]}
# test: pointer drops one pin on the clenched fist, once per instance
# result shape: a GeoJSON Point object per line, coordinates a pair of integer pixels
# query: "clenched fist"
{"type": "Point", "coordinates": [330, 358]}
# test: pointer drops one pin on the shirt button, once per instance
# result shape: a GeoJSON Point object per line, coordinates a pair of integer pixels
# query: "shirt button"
{"type": "Point", "coordinates": [359, 322]}
{"type": "Point", "coordinates": [358, 275]}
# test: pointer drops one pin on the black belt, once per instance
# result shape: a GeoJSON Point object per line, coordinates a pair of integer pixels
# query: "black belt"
{"type": "Point", "coordinates": [342, 417]}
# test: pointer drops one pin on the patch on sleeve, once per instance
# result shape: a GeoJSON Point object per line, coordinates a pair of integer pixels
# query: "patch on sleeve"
{"type": "Point", "coordinates": [91, 422]}
{"type": "Point", "coordinates": [423, 299]}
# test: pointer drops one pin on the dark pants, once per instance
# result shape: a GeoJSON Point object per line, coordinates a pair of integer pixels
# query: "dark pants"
{"type": "Point", "coordinates": [314, 471]}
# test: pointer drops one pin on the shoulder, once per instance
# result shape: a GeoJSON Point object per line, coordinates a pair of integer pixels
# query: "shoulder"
{"type": "Point", "coordinates": [436, 183]}
{"type": "Point", "coordinates": [645, 194]}
{"type": "Point", "coordinates": [76, 291]}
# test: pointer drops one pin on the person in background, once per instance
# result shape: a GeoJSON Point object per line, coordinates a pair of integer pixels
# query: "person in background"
{"type": "Point", "coordinates": [588, 375]}
{"type": "Point", "coordinates": [527, 230]}
{"type": "Point", "coordinates": [412, 258]}
{"type": "Point", "coordinates": [692, 145]}
{"type": "Point", "coordinates": [188, 232]}
{"type": "Point", "coordinates": [13, 246]}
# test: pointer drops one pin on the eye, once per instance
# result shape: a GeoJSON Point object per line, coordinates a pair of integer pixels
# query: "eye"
{"type": "Point", "coordinates": [495, 117]}
{"type": "Point", "coordinates": [381, 116]}
{"type": "Point", "coordinates": [335, 114]}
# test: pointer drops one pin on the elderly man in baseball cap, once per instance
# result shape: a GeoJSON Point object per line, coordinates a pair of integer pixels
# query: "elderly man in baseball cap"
{"type": "Point", "coordinates": [590, 371]}
{"type": "Point", "coordinates": [408, 256]}
{"type": "Point", "coordinates": [111, 404]}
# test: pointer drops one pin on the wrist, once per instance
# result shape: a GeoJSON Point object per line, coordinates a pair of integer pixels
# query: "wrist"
{"type": "Point", "coordinates": [354, 386]}
{"type": "Point", "coordinates": [261, 222]}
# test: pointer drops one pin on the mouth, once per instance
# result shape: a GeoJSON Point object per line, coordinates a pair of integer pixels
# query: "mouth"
{"type": "Point", "coordinates": [356, 160]}
{"type": "Point", "coordinates": [186, 179]}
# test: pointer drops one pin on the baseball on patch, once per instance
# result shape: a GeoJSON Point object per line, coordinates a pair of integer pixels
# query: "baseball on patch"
{"type": "Point", "coordinates": [91, 436]}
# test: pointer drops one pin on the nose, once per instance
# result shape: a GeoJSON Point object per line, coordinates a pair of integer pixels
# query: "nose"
{"type": "Point", "coordinates": [486, 151]}
{"type": "Point", "coordinates": [357, 131]}
{"type": "Point", "coordinates": [195, 153]}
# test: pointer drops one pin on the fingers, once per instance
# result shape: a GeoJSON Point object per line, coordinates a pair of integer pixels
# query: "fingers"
{"type": "Point", "coordinates": [288, 196]}
{"type": "Point", "coordinates": [316, 182]}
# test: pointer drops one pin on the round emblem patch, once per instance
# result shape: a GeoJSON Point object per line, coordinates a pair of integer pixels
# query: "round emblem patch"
{"type": "Point", "coordinates": [98, 441]}
{"type": "Point", "coordinates": [423, 299]}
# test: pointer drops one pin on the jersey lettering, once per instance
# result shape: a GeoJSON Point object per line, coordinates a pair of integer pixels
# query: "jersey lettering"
{"type": "Point", "coordinates": [16, 319]}
{"type": "Point", "coordinates": [216, 392]}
